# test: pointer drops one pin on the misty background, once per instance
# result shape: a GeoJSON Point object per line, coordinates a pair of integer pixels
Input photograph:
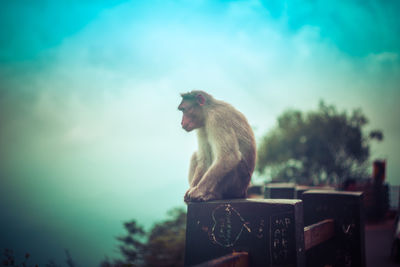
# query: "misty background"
{"type": "Point", "coordinates": [90, 134]}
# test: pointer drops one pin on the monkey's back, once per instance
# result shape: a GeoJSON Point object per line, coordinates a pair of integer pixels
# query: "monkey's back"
{"type": "Point", "coordinates": [240, 126]}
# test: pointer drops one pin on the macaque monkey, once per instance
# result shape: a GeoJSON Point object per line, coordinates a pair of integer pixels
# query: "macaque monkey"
{"type": "Point", "coordinates": [224, 162]}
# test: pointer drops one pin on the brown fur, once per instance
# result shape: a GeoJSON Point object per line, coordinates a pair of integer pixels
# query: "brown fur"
{"type": "Point", "coordinates": [225, 160]}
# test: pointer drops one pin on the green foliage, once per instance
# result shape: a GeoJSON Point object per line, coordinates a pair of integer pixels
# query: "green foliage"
{"type": "Point", "coordinates": [132, 247]}
{"type": "Point", "coordinates": [9, 259]}
{"type": "Point", "coordinates": [70, 262]}
{"type": "Point", "coordinates": [166, 243]}
{"type": "Point", "coordinates": [323, 146]}
{"type": "Point", "coordinates": [163, 245]}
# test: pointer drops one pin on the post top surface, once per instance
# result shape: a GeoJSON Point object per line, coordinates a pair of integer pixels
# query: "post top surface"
{"type": "Point", "coordinates": [280, 185]}
{"type": "Point", "coordinates": [331, 192]}
{"type": "Point", "coordinates": [251, 200]}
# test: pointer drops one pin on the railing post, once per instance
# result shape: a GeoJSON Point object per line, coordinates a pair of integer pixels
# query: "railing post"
{"type": "Point", "coordinates": [280, 190]}
{"type": "Point", "coordinates": [271, 231]}
{"type": "Point", "coordinates": [347, 247]}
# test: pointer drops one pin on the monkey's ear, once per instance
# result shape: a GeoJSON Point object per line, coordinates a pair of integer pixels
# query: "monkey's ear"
{"type": "Point", "coordinates": [200, 99]}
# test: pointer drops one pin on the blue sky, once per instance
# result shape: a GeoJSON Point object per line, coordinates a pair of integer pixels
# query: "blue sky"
{"type": "Point", "coordinates": [90, 135]}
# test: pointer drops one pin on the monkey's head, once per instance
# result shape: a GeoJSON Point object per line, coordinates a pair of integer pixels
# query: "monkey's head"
{"type": "Point", "coordinates": [192, 106]}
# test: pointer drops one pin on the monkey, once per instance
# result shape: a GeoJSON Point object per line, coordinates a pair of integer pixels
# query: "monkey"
{"type": "Point", "coordinates": [222, 166]}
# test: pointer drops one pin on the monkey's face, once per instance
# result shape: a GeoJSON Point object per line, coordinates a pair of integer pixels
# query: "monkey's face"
{"type": "Point", "coordinates": [192, 115]}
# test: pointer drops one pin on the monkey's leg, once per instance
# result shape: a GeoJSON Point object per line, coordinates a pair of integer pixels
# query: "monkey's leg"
{"type": "Point", "coordinates": [209, 187]}
{"type": "Point", "coordinates": [235, 183]}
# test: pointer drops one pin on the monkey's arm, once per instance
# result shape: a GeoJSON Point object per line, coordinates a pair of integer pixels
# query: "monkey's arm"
{"type": "Point", "coordinates": [196, 170]}
{"type": "Point", "coordinates": [192, 168]}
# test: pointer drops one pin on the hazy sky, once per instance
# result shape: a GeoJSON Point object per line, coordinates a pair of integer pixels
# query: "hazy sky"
{"type": "Point", "coordinates": [90, 135]}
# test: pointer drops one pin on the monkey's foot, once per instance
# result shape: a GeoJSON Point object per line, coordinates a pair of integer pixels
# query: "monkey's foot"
{"type": "Point", "coordinates": [203, 198]}
{"type": "Point", "coordinates": [187, 196]}
{"type": "Point", "coordinates": [195, 195]}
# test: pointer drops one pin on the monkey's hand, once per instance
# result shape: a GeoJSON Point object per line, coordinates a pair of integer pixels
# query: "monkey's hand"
{"type": "Point", "coordinates": [194, 194]}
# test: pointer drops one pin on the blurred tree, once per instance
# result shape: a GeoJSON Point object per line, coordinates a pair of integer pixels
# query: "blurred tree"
{"type": "Point", "coordinates": [70, 262]}
{"type": "Point", "coordinates": [51, 263]}
{"type": "Point", "coordinates": [318, 147]}
{"type": "Point", "coordinates": [163, 246]}
{"type": "Point", "coordinates": [9, 259]}
{"type": "Point", "coordinates": [166, 243]}
{"type": "Point", "coordinates": [133, 246]}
